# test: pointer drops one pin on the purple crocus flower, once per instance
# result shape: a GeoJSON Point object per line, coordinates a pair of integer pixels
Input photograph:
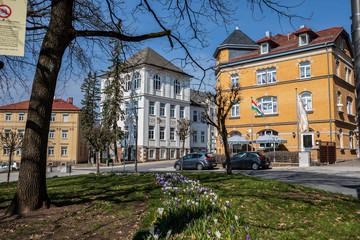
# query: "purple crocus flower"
{"type": "Point", "coordinates": [247, 237]}
{"type": "Point", "coordinates": [209, 232]}
{"type": "Point", "coordinates": [232, 228]}
{"type": "Point", "coordinates": [208, 217]}
{"type": "Point", "coordinates": [246, 227]}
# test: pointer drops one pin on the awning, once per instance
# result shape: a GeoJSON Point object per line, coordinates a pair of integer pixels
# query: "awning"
{"type": "Point", "coordinates": [269, 138]}
{"type": "Point", "coordinates": [237, 140]}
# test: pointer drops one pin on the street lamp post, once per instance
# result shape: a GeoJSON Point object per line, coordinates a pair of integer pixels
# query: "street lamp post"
{"type": "Point", "coordinates": [274, 138]}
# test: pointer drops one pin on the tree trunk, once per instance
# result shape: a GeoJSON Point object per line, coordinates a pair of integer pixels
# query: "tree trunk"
{"type": "Point", "coordinates": [183, 153]}
{"type": "Point", "coordinates": [97, 163]}
{"type": "Point", "coordinates": [89, 156]}
{"type": "Point", "coordinates": [31, 191]}
{"type": "Point", "coordinates": [116, 158]}
{"type": "Point", "coordinates": [9, 167]}
{"type": "Point", "coordinates": [224, 136]}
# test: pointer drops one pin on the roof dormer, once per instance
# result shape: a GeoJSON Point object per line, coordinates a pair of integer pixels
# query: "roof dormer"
{"type": "Point", "coordinates": [266, 43]}
{"type": "Point", "coordinates": [305, 35]}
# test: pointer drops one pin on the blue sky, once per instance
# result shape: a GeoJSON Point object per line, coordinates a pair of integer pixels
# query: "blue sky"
{"type": "Point", "coordinates": [324, 14]}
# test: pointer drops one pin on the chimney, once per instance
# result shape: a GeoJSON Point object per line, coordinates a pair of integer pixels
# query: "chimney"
{"type": "Point", "coordinates": [302, 26]}
{"type": "Point", "coordinates": [70, 100]}
{"type": "Point", "coordinates": [268, 34]}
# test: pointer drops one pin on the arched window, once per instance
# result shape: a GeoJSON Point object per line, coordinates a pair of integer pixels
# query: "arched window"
{"type": "Point", "coordinates": [177, 87]}
{"type": "Point", "coordinates": [127, 83]}
{"type": "Point", "coordinates": [351, 140]}
{"type": "Point", "coordinates": [235, 133]}
{"type": "Point", "coordinates": [268, 132]}
{"type": "Point", "coordinates": [157, 82]}
{"type": "Point", "coordinates": [268, 105]}
{"type": "Point", "coordinates": [306, 97]}
{"type": "Point", "coordinates": [137, 80]}
{"type": "Point", "coordinates": [349, 105]}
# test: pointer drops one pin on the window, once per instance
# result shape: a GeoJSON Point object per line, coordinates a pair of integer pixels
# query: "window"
{"type": "Point", "coordinates": [266, 76]}
{"type": "Point", "coordinates": [195, 116]}
{"type": "Point", "coordinates": [151, 153]}
{"type": "Point", "coordinates": [235, 80]}
{"type": "Point", "coordinates": [19, 151]}
{"type": "Point", "coordinates": [51, 151]}
{"type": "Point", "coordinates": [151, 108]}
{"type": "Point", "coordinates": [127, 83]}
{"type": "Point", "coordinates": [162, 133]}
{"type": "Point", "coordinates": [306, 98]}
{"type": "Point", "coordinates": [305, 70]}
{"type": "Point", "coordinates": [342, 44]}
{"type": "Point", "coordinates": [151, 132]}
{"type": "Point", "coordinates": [162, 109]}
{"type": "Point", "coordinates": [7, 132]}
{"type": "Point", "coordinates": [52, 133]}
{"type": "Point", "coordinates": [21, 117]}
{"type": "Point", "coordinates": [172, 133]}
{"type": "Point", "coordinates": [339, 104]}
{"type": "Point", "coordinates": [303, 39]}
{"type": "Point", "coordinates": [351, 140]}
{"type": "Point", "coordinates": [264, 48]}
{"type": "Point", "coordinates": [235, 110]}
{"type": "Point", "coordinates": [268, 105]}
{"type": "Point", "coordinates": [268, 132]}
{"type": "Point", "coordinates": [20, 133]}
{"type": "Point", "coordinates": [63, 151]}
{"type": "Point", "coordinates": [6, 150]}
{"type": "Point", "coordinates": [182, 110]}
{"type": "Point", "coordinates": [8, 117]}
{"type": "Point", "coordinates": [347, 75]}
{"type": "Point", "coordinates": [349, 105]}
{"type": "Point", "coordinates": [172, 153]}
{"type": "Point", "coordinates": [172, 111]}
{"type": "Point", "coordinates": [337, 67]}
{"type": "Point", "coordinates": [177, 87]}
{"type": "Point", "coordinates": [137, 80]}
{"type": "Point", "coordinates": [202, 137]}
{"type": "Point", "coordinates": [52, 118]}
{"type": "Point", "coordinates": [195, 136]}
{"type": "Point", "coordinates": [65, 117]}
{"type": "Point", "coordinates": [64, 133]}
{"type": "Point", "coordinates": [157, 82]}
{"type": "Point", "coordinates": [162, 153]}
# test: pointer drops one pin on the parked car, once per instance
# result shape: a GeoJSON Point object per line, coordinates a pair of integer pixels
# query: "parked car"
{"type": "Point", "coordinates": [14, 166]}
{"type": "Point", "coordinates": [252, 160]}
{"type": "Point", "coordinates": [197, 161]}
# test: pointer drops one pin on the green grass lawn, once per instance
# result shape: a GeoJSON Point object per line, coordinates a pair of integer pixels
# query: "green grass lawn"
{"type": "Point", "coordinates": [106, 203]}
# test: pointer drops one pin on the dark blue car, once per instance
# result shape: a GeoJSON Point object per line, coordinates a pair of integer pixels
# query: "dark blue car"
{"type": "Point", "coordinates": [246, 160]}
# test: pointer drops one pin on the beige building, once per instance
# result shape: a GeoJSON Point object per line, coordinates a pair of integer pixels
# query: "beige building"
{"type": "Point", "coordinates": [65, 143]}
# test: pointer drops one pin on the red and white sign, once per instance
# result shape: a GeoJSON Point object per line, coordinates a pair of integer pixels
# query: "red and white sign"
{"type": "Point", "coordinates": [5, 11]}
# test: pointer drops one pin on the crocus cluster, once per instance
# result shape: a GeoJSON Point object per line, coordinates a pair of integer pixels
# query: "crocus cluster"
{"type": "Point", "coordinates": [190, 211]}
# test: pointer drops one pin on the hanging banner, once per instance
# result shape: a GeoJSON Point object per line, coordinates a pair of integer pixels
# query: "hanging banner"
{"type": "Point", "coordinates": [12, 27]}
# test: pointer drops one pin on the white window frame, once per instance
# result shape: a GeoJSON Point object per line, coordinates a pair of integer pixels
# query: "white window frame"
{"type": "Point", "coordinates": [151, 132]}
{"type": "Point", "coordinates": [151, 153]}
{"type": "Point", "coordinates": [51, 151]}
{"type": "Point", "coordinates": [306, 98]}
{"type": "Point", "coordinates": [52, 133]}
{"type": "Point", "coordinates": [19, 151]}
{"type": "Point", "coordinates": [7, 132]}
{"type": "Point", "coordinates": [64, 152]}
{"type": "Point", "coordinates": [172, 111]}
{"type": "Point", "coordinates": [235, 110]}
{"type": "Point", "coordinates": [21, 117]}
{"type": "Point", "coordinates": [7, 117]}
{"type": "Point", "coordinates": [162, 133]}
{"type": "Point", "coordinates": [202, 137]}
{"type": "Point", "coordinates": [194, 136]}
{"type": "Point", "coordinates": [157, 82]}
{"type": "Point", "coordinates": [195, 115]}
{"type": "Point", "coordinates": [339, 102]}
{"type": "Point", "coordinates": [127, 83]}
{"type": "Point", "coordinates": [270, 102]}
{"type": "Point", "coordinates": [264, 48]}
{"type": "Point", "coordinates": [182, 112]}
{"type": "Point", "coordinates": [234, 80]}
{"type": "Point", "coordinates": [305, 70]}
{"type": "Point", "coordinates": [137, 80]}
{"type": "Point", "coordinates": [162, 154]}
{"type": "Point", "coordinates": [52, 118]}
{"type": "Point", "coordinates": [152, 108]}
{"type": "Point", "coordinates": [64, 134]}
{"type": "Point", "coordinates": [303, 39]}
{"type": "Point", "coordinates": [172, 133]}
{"type": "Point", "coordinates": [351, 140]}
{"type": "Point", "coordinates": [20, 133]}
{"type": "Point", "coordinates": [265, 76]}
{"type": "Point", "coordinates": [337, 68]}
{"type": "Point", "coordinates": [162, 109]}
{"type": "Point", "coordinates": [6, 151]}
{"type": "Point", "coordinates": [177, 87]}
{"type": "Point", "coordinates": [349, 103]}
{"type": "Point", "coordinates": [65, 117]}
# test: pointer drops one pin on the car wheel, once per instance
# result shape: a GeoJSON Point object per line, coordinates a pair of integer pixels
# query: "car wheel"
{"type": "Point", "coordinates": [199, 166]}
{"type": "Point", "coordinates": [178, 167]}
{"type": "Point", "coordinates": [254, 166]}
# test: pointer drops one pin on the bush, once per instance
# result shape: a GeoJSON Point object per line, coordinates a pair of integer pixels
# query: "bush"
{"type": "Point", "coordinates": [104, 160]}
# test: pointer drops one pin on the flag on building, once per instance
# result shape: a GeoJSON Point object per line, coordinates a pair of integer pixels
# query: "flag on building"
{"type": "Point", "coordinates": [302, 115]}
{"type": "Point", "coordinates": [256, 108]}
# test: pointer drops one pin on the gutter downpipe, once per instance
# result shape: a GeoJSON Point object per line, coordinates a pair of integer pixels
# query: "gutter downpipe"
{"type": "Point", "coordinates": [327, 53]}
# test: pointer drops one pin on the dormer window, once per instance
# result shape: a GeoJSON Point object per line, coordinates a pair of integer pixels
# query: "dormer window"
{"type": "Point", "coordinates": [303, 39]}
{"type": "Point", "coordinates": [264, 48]}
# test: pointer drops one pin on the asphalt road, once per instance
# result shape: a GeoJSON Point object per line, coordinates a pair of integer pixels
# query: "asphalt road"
{"type": "Point", "coordinates": [339, 178]}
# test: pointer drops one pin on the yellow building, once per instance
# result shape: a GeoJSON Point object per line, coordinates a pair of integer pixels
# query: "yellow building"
{"type": "Point", "coordinates": [65, 143]}
{"type": "Point", "coordinates": [317, 65]}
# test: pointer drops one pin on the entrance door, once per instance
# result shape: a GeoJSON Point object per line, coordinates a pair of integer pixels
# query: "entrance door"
{"type": "Point", "coordinates": [307, 141]}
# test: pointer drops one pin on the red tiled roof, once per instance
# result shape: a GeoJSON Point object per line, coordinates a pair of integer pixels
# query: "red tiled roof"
{"type": "Point", "coordinates": [285, 44]}
{"type": "Point", "coordinates": [302, 30]}
{"type": "Point", "coordinates": [267, 39]}
{"type": "Point", "coordinates": [58, 104]}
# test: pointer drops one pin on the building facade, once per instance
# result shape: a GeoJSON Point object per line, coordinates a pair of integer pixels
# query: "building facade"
{"type": "Point", "coordinates": [65, 144]}
{"type": "Point", "coordinates": [315, 64]}
{"type": "Point", "coordinates": [157, 95]}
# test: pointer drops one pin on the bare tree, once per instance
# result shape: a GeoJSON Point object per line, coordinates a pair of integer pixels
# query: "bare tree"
{"type": "Point", "coordinates": [11, 141]}
{"type": "Point", "coordinates": [223, 100]}
{"type": "Point", "coordinates": [183, 131]}
{"type": "Point", "coordinates": [59, 28]}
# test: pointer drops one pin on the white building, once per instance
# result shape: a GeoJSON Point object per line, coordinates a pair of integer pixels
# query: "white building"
{"type": "Point", "coordinates": [160, 92]}
{"type": "Point", "coordinates": [204, 135]}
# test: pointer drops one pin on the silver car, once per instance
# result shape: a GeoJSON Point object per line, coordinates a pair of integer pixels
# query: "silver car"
{"type": "Point", "coordinates": [197, 161]}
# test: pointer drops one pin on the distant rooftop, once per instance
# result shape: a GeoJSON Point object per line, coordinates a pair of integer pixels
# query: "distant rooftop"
{"type": "Point", "coordinates": [58, 104]}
